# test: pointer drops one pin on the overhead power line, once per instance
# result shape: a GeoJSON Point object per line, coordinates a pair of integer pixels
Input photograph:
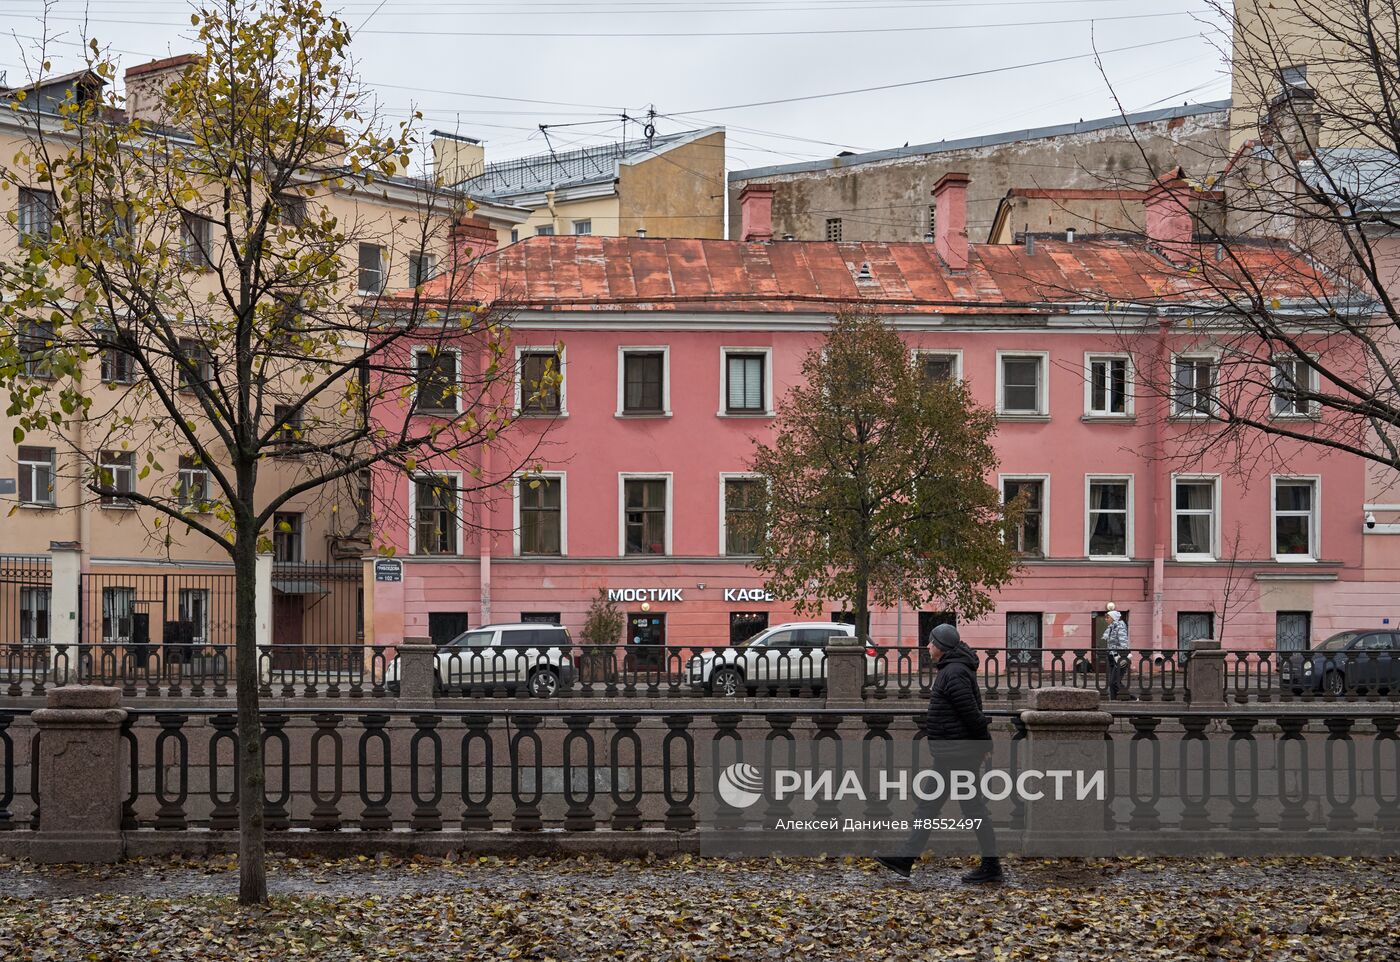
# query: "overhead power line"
{"type": "Point", "coordinates": [931, 80]}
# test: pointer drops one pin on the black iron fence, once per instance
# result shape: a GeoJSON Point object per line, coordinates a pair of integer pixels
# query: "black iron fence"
{"type": "Point", "coordinates": [25, 603]}
{"type": "Point", "coordinates": [316, 607]}
{"type": "Point", "coordinates": [138, 618]}
{"type": "Point", "coordinates": [482, 769]}
{"type": "Point", "coordinates": [307, 669]}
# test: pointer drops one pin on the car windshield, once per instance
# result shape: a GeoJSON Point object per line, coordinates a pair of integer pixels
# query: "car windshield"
{"type": "Point", "coordinates": [751, 639]}
{"type": "Point", "coordinates": [472, 639]}
{"type": "Point", "coordinates": [1338, 642]}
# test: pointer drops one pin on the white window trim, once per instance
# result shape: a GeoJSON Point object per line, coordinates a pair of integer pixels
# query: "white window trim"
{"type": "Point", "coordinates": [1128, 409]}
{"type": "Point", "coordinates": [622, 478]}
{"type": "Point", "coordinates": [1216, 517]}
{"type": "Point", "coordinates": [27, 467]}
{"type": "Point", "coordinates": [563, 480]}
{"type": "Point", "coordinates": [424, 258]}
{"type": "Point", "coordinates": [456, 479]}
{"type": "Point", "coordinates": [956, 354]}
{"type": "Point", "coordinates": [1042, 410]}
{"type": "Point", "coordinates": [665, 351]}
{"type": "Point", "coordinates": [119, 501]}
{"type": "Point", "coordinates": [1310, 413]}
{"type": "Point", "coordinates": [383, 270]}
{"type": "Point", "coordinates": [456, 379]}
{"type": "Point", "coordinates": [1089, 479]}
{"type": "Point", "coordinates": [1214, 358]}
{"type": "Point", "coordinates": [724, 353]}
{"type": "Point", "coordinates": [520, 351]}
{"type": "Point", "coordinates": [1314, 535]}
{"type": "Point", "coordinates": [1044, 505]}
{"type": "Point", "coordinates": [724, 509]}
{"type": "Point", "coordinates": [182, 475]}
{"type": "Point", "coordinates": [575, 224]}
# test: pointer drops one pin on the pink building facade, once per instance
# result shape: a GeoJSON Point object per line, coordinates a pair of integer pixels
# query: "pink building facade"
{"type": "Point", "coordinates": [676, 355]}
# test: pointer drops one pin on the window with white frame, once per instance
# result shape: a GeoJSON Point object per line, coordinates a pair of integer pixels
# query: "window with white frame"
{"type": "Point", "coordinates": [195, 366]}
{"type": "Point", "coordinates": [937, 367]}
{"type": "Point", "coordinates": [116, 477]}
{"type": "Point", "coordinates": [371, 273]}
{"type": "Point", "coordinates": [645, 518]}
{"type": "Point", "coordinates": [35, 602]}
{"type": "Point", "coordinates": [117, 367]}
{"type": "Point", "coordinates": [583, 228]}
{"type": "Point", "coordinates": [192, 488]}
{"type": "Point", "coordinates": [286, 536]}
{"type": "Point", "coordinates": [36, 346]}
{"type": "Point", "coordinates": [1193, 386]}
{"type": "Point", "coordinates": [1021, 387]}
{"type": "Point", "coordinates": [1295, 519]}
{"type": "Point", "coordinates": [118, 607]}
{"type": "Point", "coordinates": [36, 476]}
{"type": "Point", "coordinates": [1195, 518]}
{"type": "Point", "coordinates": [1292, 382]}
{"type": "Point", "coordinates": [194, 611]}
{"type": "Point", "coordinates": [538, 368]}
{"type": "Point", "coordinates": [1109, 512]}
{"type": "Point", "coordinates": [422, 267]}
{"type": "Point", "coordinates": [1108, 386]}
{"type": "Point", "coordinates": [541, 501]}
{"type": "Point", "coordinates": [643, 381]}
{"type": "Point", "coordinates": [544, 230]}
{"type": "Point", "coordinates": [1028, 539]}
{"type": "Point", "coordinates": [196, 241]}
{"type": "Point", "coordinates": [435, 514]}
{"type": "Point", "coordinates": [743, 516]}
{"type": "Point", "coordinates": [745, 382]}
{"type": "Point", "coordinates": [436, 380]}
{"type": "Point", "coordinates": [36, 215]}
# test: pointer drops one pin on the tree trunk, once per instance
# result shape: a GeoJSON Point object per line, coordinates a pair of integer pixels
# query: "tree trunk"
{"type": "Point", "coordinates": [862, 607]}
{"type": "Point", "coordinates": [252, 872]}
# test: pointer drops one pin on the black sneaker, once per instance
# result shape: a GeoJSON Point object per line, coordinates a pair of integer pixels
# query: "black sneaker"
{"type": "Point", "coordinates": [986, 873]}
{"type": "Point", "coordinates": [898, 864]}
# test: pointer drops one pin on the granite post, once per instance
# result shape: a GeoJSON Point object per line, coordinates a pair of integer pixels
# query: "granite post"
{"type": "Point", "coordinates": [80, 776]}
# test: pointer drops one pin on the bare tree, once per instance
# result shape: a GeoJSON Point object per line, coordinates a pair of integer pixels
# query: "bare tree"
{"type": "Point", "coordinates": [192, 313]}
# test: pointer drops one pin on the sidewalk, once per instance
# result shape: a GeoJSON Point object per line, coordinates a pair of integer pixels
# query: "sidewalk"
{"type": "Point", "coordinates": [429, 910]}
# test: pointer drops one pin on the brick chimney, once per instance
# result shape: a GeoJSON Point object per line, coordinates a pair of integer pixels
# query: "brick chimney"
{"type": "Point", "coordinates": [756, 212]}
{"type": "Point", "coordinates": [472, 237]}
{"type": "Point", "coordinates": [950, 219]}
{"type": "Point", "coordinates": [1168, 213]}
{"type": "Point", "coordinates": [146, 84]}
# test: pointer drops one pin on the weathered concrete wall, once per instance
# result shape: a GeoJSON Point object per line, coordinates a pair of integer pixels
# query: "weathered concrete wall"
{"type": "Point", "coordinates": [889, 199]}
{"type": "Point", "coordinates": [679, 193]}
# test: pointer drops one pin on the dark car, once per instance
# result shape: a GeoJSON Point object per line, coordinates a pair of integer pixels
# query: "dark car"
{"type": "Point", "coordinates": [1361, 661]}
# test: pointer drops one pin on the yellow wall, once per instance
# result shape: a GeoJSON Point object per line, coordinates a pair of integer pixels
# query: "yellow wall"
{"type": "Point", "coordinates": [679, 193]}
{"type": "Point", "coordinates": [117, 533]}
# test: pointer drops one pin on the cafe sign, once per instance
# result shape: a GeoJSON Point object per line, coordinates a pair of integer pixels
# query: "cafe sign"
{"type": "Point", "coordinates": [676, 594]}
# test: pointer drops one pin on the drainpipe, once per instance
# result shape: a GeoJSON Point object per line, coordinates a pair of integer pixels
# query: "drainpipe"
{"type": "Point", "coordinates": [553, 214]}
{"type": "Point", "coordinates": [1159, 477]}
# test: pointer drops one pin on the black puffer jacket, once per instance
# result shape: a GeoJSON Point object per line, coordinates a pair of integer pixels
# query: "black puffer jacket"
{"type": "Point", "coordinates": [955, 704]}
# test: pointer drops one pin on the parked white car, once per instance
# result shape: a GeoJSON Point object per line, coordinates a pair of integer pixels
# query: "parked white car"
{"type": "Point", "coordinates": [503, 656]}
{"type": "Point", "coordinates": [792, 654]}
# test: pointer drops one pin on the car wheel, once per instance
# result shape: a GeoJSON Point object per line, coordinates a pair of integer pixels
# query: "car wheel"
{"type": "Point", "coordinates": [544, 683]}
{"type": "Point", "coordinates": [727, 682]}
{"type": "Point", "coordinates": [1335, 684]}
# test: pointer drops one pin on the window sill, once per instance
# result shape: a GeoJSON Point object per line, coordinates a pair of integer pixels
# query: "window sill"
{"type": "Point", "coordinates": [36, 506]}
{"type": "Point", "coordinates": [1109, 557]}
{"type": "Point", "coordinates": [435, 413]}
{"type": "Point", "coordinates": [117, 507]}
{"type": "Point", "coordinates": [1014, 416]}
{"type": "Point", "coordinates": [1195, 558]}
{"type": "Point", "coordinates": [1192, 417]}
{"type": "Point", "coordinates": [1294, 417]}
{"type": "Point", "coordinates": [1110, 418]}
{"type": "Point", "coordinates": [1295, 559]}
{"type": "Point", "coordinates": [542, 415]}
{"type": "Point", "coordinates": [641, 415]}
{"type": "Point", "coordinates": [539, 556]}
{"type": "Point", "coordinates": [643, 554]}
{"type": "Point", "coordinates": [745, 415]}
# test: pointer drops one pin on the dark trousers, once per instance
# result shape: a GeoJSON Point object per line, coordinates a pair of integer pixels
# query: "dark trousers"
{"type": "Point", "coordinates": [944, 763]}
{"type": "Point", "coordinates": [1117, 673]}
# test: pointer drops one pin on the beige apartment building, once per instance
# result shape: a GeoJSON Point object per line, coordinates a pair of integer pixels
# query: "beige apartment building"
{"type": "Point", "coordinates": [144, 586]}
{"type": "Point", "coordinates": [668, 185]}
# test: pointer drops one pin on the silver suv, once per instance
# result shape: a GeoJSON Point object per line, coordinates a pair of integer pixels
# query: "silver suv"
{"type": "Point", "coordinates": [792, 654]}
{"type": "Point", "coordinates": [503, 657]}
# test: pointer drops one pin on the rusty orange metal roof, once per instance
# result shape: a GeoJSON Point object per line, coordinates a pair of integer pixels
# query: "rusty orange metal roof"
{"type": "Point", "coordinates": [592, 273]}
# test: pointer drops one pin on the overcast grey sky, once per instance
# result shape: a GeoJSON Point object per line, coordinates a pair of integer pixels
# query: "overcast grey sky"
{"type": "Point", "coordinates": [699, 61]}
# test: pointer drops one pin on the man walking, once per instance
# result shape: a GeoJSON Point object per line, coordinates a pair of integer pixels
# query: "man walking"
{"type": "Point", "coordinates": [960, 740]}
{"type": "Point", "coordinates": [1115, 639]}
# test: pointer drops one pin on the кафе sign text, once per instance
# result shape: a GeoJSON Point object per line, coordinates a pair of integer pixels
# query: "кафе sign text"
{"type": "Point", "coordinates": [677, 594]}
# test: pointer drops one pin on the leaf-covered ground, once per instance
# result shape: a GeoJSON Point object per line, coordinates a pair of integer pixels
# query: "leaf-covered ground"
{"type": "Point", "coordinates": [585, 909]}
